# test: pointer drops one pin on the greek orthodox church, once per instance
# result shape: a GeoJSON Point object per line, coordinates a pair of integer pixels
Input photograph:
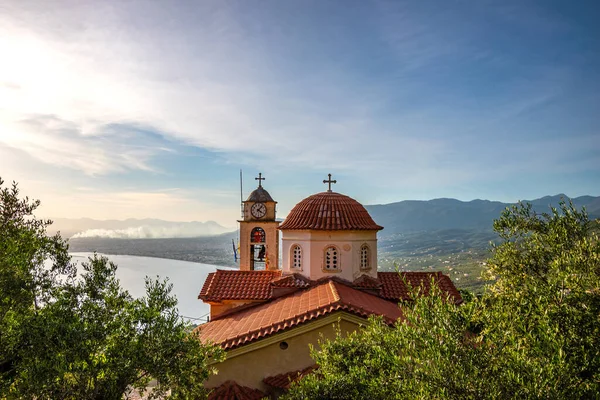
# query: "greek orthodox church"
{"type": "Point", "coordinates": [265, 315]}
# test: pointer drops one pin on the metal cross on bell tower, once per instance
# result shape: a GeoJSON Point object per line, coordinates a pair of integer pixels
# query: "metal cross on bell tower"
{"type": "Point", "coordinates": [329, 182]}
{"type": "Point", "coordinates": [260, 179]}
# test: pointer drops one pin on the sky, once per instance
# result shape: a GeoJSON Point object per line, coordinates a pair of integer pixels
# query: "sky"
{"type": "Point", "coordinates": [149, 109]}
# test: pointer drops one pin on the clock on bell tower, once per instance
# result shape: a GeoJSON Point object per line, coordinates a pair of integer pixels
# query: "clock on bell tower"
{"type": "Point", "coordinates": [259, 236]}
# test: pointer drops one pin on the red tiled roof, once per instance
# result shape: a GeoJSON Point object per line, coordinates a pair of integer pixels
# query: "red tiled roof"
{"type": "Point", "coordinates": [394, 288]}
{"type": "Point", "coordinates": [291, 281]}
{"type": "Point", "coordinates": [284, 381]}
{"type": "Point", "coordinates": [259, 285]}
{"type": "Point", "coordinates": [329, 211]}
{"type": "Point", "coordinates": [266, 319]}
{"type": "Point", "coordinates": [367, 282]}
{"type": "Point", "coordinates": [230, 390]}
{"type": "Point", "coordinates": [238, 285]}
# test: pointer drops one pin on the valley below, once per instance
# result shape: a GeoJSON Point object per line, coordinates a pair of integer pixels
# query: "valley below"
{"type": "Point", "coordinates": [461, 254]}
{"type": "Point", "coordinates": [445, 235]}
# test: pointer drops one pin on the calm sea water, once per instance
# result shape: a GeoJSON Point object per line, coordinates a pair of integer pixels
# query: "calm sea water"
{"type": "Point", "coordinates": [187, 279]}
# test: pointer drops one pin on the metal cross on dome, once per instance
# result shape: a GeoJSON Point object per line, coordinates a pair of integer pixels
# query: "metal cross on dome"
{"type": "Point", "coordinates": [329, 181]}
{"type": "Point", "coordinates": [260, 179]}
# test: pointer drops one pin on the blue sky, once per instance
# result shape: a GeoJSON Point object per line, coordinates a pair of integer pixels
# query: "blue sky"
{"type": "Point", "coordinates": [138, 109]}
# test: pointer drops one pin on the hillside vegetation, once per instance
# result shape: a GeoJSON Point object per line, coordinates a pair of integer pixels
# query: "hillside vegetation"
{"type": "Point", "coordinates": [449, 235]}
{"type": "Point", "coordinates": [534, 334]}
{"type": "Point", "coordinates": [442, 214]}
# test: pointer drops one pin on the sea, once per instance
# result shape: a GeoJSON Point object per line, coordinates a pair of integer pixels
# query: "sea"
{"type": "Point", "coordinates": [187, 279]}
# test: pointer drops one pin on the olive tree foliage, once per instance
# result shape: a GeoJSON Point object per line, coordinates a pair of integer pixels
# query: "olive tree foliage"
{"type": "Point", "coordinates": [69, 335]}
{"type": "Point", "coordinates": [415, 359]}
{"type": "Point", "coordinates": [544, 304]}
{"type": "Point", "coordinates": [533, 334]}
{"type": "Point", "coordinates": [24, 282]}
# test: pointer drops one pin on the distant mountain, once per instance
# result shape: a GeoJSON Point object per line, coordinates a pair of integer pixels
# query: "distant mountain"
{"type": "Point", "coordinates": [401, 217]}
{"type": "Point", "coordinates": [134, 228]}
{"type": "Point", "coordinates": [439, 214]}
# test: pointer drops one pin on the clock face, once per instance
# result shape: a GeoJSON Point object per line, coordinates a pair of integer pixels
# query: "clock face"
{"type": "Point", "coordinates": [258, 210]}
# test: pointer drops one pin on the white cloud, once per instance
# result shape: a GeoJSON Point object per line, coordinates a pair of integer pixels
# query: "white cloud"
{"type": "Point", "coordinates": [103, 71]}
{"type": "Point", "coordinates": [73, 71]}
{"type": "Point", "coordinates": [52, 140]}
{"type": "Point", "coordinates": [151, 232]}
{"type": "Point", "coordinates": [168, 204]}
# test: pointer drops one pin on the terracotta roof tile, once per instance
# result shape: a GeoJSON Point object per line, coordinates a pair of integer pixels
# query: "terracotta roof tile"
{"type": "Point", "coordinates": [394, 288]}
{"type": "Point", "coordinates": [230, 390]}
{"type": "Point", "coordinates": [207, 284]}
{"type": "Point", "coordinates": [287, 312]}
{"type": "Point", "coordinates": [291, 281]}
{"type": "Point", "coordinates": [283, 381]}
{"type": "Point", "coordinates": [258, 285]}
{"type": "Point", "coordinates": [329, 211]}
{"type": "Point", "coordinates": [367, 282]}
{"type": "Point", "coordinates": [238, 285]}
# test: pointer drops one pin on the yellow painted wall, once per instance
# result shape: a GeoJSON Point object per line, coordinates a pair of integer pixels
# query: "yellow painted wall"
{"type": "Point", "coordinates": [249, 369]}
{"type": "Point", "coordinates": [269, 216]}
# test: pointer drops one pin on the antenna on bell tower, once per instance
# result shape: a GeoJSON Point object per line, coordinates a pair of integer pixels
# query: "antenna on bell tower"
{"type": "Point", "coordinates": [241, 195]}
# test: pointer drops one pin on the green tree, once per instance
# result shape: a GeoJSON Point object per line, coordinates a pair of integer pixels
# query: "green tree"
{"type": "Point", "coordinates": [535, 332]}
{"type": "Point", "coordinates": [24, 282]}
{"type": "Point", "coordinates": [414, 359]}
{"type": "Point", "coordinates": [82, 336]}
{"type": "Point", "coordinates": [543, 311]}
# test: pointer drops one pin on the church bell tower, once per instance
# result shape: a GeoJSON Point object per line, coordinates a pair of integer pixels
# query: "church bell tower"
{"type": "Point", "coordinates": [259, 236]}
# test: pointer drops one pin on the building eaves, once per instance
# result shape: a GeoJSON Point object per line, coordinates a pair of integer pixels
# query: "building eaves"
{"type": "Point", "coordinates": [231, 390]}
{"type": "Point", "coordinates": [283, 381]}
{"type": "Point", "coordinates": [266, 319]}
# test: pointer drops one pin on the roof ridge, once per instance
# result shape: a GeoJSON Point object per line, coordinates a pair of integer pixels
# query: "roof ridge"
{"type": "Point", "coordinates": [283, 324]}
{"type": "Point", "coordinates": [336, 293]}
{"type": "Point", "coordinates": [207, 285]}
{"type": "Point", "coordinates": [231, 387]}
{"type": "Point", "coordinates": [235, 271]}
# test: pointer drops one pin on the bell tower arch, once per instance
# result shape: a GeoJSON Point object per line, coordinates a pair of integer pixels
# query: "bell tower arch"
{"type": "Point", "coordinates": [259, 236]}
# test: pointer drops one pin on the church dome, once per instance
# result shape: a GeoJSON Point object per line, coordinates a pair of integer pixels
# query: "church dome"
{"type": "Point", "coordinates": [329, 211]}
{"type": "Point", "coordinates": [260, 195]}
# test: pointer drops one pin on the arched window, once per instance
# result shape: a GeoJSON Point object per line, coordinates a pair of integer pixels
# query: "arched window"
{"type": "Point", "coordinates": [364, 257]}
{"type": "Point", "coordinates": [332, 258]}
{"type": "Point", "coordinates": [296, 257]}
{"type": "Point", "coordinates": [257, 235]}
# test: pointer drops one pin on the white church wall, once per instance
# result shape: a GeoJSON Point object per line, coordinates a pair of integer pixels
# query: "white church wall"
{"type": "Point", "coordinates": [314, 243]}
{"type": "Point", "coordinates": [289, 239]}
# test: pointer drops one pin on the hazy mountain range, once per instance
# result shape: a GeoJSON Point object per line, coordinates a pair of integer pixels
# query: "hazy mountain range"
{"type": "Point", "coordinates": [134, 228]}
{"type": "Point", "coordinates": [445, 235]}
{"type": "Point", "coordinates": [401, 217]}
{"type": "Point", "coordinates": [440, 214]}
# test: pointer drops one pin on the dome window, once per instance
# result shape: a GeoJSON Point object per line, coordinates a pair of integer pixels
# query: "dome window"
{"type": "Point", "coordinates": [364, 257]}
{"type": "Point", "coordinates": [332, 259]}
{"type": "Point", "coordinates": [296, 257]}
